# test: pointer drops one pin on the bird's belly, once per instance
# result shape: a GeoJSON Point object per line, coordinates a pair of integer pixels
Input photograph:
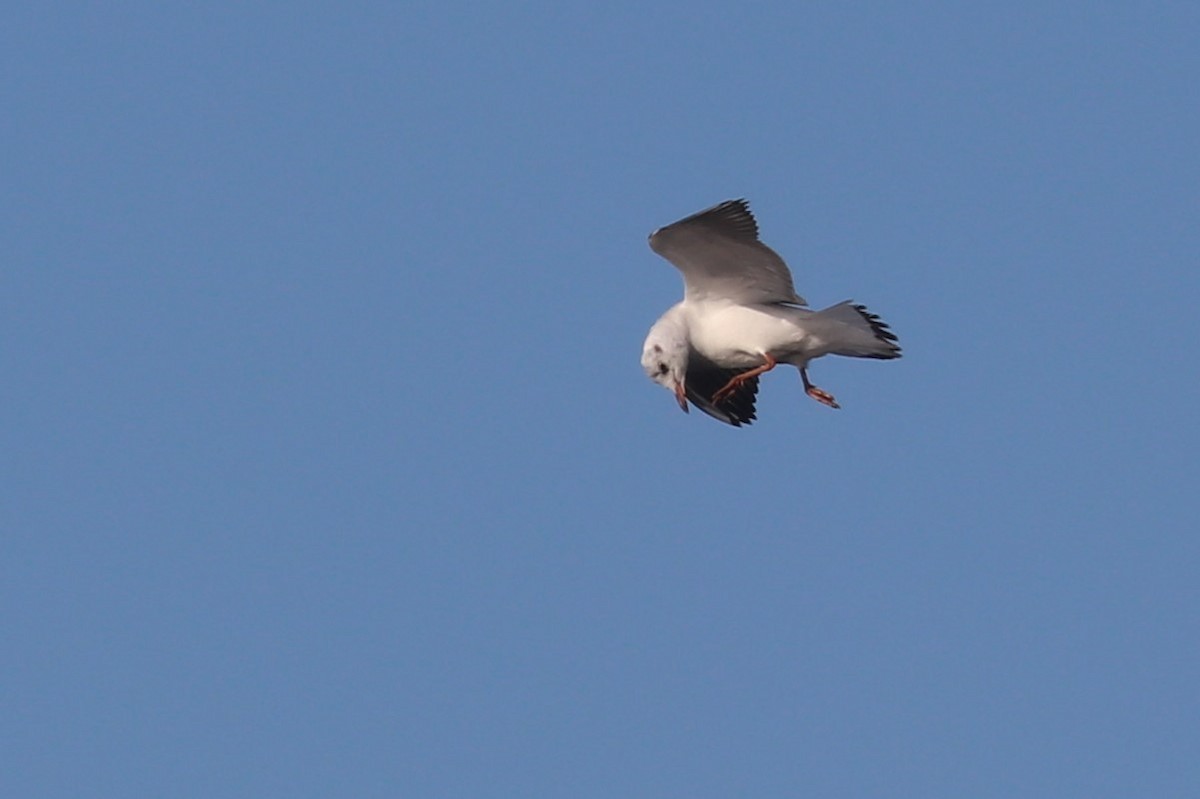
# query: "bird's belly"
{"type": "Point", "coordinates": [736, 337]}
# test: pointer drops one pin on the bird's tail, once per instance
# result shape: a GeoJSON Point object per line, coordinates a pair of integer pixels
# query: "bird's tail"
{"type": "Point", "coordinates": [852, 330]}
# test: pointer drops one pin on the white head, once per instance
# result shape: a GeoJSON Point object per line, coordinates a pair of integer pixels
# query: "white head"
{"type": "Point", "coordinates": [665, 358]}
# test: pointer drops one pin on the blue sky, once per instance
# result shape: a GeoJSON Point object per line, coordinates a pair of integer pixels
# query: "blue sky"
{"type": "Point", "coordinates": [331, 471]}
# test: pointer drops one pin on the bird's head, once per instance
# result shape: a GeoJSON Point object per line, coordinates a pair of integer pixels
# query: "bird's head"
{"type": "Point", "coordinates": [665, 359]}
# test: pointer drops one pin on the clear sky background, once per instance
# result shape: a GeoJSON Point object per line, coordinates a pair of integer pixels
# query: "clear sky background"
{"type": "Point", "coordinates": [330, 470]}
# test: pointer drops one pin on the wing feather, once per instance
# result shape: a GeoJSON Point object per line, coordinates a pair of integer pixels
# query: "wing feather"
{"type": "Point", "coordinates": [705, 378]}
{"type": "Point", "coordinates": [721, 257]}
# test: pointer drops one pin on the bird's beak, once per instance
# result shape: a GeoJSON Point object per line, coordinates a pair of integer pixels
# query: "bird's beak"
{"type": "Point", "coordinates": [681, 396]}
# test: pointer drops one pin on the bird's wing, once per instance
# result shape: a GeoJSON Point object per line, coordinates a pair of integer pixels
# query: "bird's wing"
{"type": "Point", "coordinates": [705, 378]}
{"type": "Point", "coordinates": [720, 256]}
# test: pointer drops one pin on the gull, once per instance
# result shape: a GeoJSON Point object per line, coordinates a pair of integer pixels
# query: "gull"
{"type": "Point", "coordinates": [741, 316]}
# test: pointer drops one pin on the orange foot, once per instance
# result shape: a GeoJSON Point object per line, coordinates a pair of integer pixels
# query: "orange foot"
{"type": "Point", "coordinates": [822, 396]}
{"type": "Point", "coordinates": [819, 394]}
{"type": "Point", "coordinates": [735, 382]}
{"type": "Point", "coordinates": [727, 390]}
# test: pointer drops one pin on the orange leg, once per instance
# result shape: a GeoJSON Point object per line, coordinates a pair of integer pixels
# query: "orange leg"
{"type": "Point", "coordinates": [819, 394]}
{"type": "Point", "coordinates": [726, 390]}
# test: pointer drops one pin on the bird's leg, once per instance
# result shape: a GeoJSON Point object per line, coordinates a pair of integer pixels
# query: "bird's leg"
{"type": "Point", "coordinates": [819, 394]}
{"type": "Point", "coordinates": [726, 390]}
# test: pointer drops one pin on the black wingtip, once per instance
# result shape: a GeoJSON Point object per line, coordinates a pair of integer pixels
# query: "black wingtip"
{"type": "Point", "coordinates": [737, 215]}
{"type": "Point", "coordinates": [737, 409]}
{"type": "Point", "coordinates": [739, 406]}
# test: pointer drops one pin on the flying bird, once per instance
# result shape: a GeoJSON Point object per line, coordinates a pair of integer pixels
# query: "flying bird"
{"type": "Point", "coordinates": [741, 316]}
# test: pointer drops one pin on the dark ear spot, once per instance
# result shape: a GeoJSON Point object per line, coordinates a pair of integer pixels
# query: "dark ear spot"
{"type": "Point", "coordinates": [662, 368]}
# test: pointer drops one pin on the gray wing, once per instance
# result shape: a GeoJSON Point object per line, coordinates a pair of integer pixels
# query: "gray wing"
{"type": "Point", "coordinates": [720, 256]}
{"type": "Point", "coordinates": [705, 378]}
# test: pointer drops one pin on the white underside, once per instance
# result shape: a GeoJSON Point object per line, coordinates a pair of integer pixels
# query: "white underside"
{"type": "Point", "coordinates": [738, 336]}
